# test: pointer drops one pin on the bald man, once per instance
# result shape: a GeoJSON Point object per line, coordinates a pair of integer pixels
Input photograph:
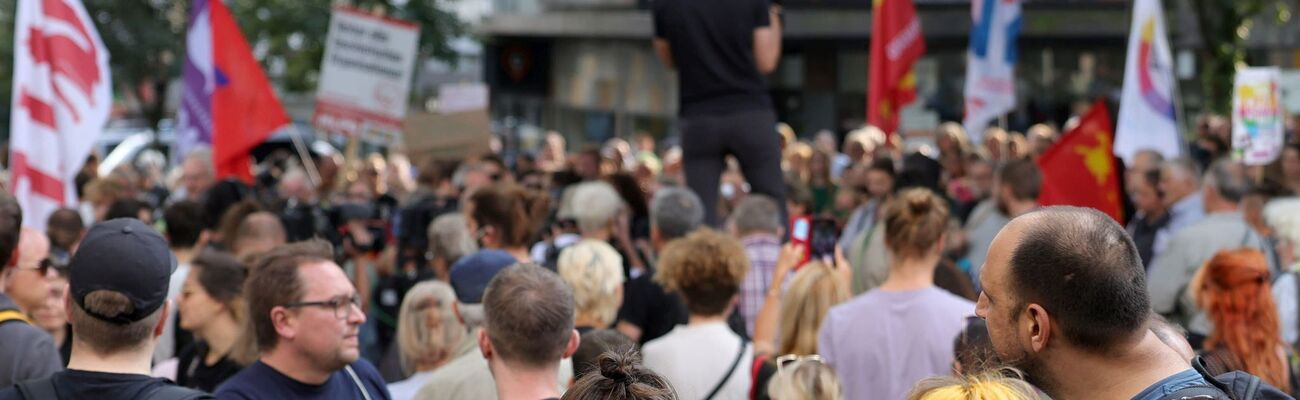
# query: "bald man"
{"type": "Point", "coordinates": [260, 232]}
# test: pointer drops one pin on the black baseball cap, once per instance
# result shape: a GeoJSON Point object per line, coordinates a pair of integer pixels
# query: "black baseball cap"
{"type": "Point", "coordinates": [126, 256]}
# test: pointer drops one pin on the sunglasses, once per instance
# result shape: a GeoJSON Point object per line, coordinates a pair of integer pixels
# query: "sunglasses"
{"type": "Point", "coordinates": [792, 361]}
{"type": "Point", "coordinates": [43, 267]}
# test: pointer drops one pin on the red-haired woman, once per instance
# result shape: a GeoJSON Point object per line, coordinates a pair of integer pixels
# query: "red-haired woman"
{"type": "Point", "coordinates": [1234, 291]}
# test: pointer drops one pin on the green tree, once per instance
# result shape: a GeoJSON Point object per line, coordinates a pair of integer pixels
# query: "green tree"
{"type": "Point", "coordinates": [7, 10]}
{"type": "Point", "coordinates": [1224, 27]}
{"type": "Point", "coordinates": [289, 35]}
{"type": "Point", "coordinates": [146, 40]}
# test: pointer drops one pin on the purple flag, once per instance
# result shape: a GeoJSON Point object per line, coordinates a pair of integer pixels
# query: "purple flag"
{"type": "Point", "coordinates": [194, 125]}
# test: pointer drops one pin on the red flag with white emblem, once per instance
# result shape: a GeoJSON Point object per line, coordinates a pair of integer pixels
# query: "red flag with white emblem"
{"type": "Point", "coordinates": [61, 100]}
{"type": "Point", "coordinates": [896, 43]}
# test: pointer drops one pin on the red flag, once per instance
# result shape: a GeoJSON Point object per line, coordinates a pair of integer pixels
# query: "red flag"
{"type": "Point", "coordinates": [245, 110]}
{"type": "Point", "coordinates": [896, 44]}
{"type": "Point", "coordinates": [1080, 170]}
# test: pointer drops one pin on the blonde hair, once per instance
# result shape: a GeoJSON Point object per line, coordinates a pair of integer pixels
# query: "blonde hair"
{"type": "Point", "coordinates": [957, 133]}
{"type": "Point", "coordinates": [914, 221]}
{"type": "Point", "coordinates": [595, 272]}
{"type": "Point", "coordinates": [810, 296]}
{"type": "Point", "coordinates": [419, 342]}
{"type": "Point", "coordinates": [998, 384]}
{"type": "Point", "coordinates": [1283, 215]}
{"type": "Point", "coordinates": [869, 136]}
{"type": "Point", "coordinates": [806, 379]}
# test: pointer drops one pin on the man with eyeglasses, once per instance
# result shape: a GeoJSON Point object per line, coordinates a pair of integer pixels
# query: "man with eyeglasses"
{"type": "Point", "coordinates": [26, 352]}
{"type": "Point", "coordinates": [306, 316]}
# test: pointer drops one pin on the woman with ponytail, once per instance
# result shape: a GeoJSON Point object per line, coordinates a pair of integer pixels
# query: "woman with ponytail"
{"type": "Point", "coordinates": [902, 331]}
{"type": "Point", "coordinates": [1233, 289]}
{"type": "Point", "coordinates": [506, 216]}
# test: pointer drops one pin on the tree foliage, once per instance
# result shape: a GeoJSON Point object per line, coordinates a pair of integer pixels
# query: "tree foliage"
{"type": "Point", "coordinates": [1224, 27]}
{"type": "Point", "coordinates": [289, 35]}
{"type": "Point", "coordinates": [145, 40]}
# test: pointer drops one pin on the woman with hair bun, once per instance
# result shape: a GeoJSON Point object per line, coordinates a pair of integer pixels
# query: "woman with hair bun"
{"type": "Point", "coordinates": [621, 376]}
{"type": "Point", "coordinates": [902, 331]}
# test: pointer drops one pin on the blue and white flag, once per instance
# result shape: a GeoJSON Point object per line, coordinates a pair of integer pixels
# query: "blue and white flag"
{"type": "Point", "coordinates": [991, 63]}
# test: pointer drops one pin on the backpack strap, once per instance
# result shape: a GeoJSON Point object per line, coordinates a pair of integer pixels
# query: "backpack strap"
{"type": "Point", "coordinates": [1196, 393]}
{"type": "Point", "coordinates": [754, 371]}
{"type": "Point", "coordinates": [1252, 388]}
{"type": "Point", "coordinates": [730, 370]}
{"type": "Point", "coordinates": [1198, 364]}
{"type": "Point", "coordinates": [175, 392]}
{"type": "Point", "coordinates": [38, 389]}
{"type": "Point", "coordinates": [357, 380]}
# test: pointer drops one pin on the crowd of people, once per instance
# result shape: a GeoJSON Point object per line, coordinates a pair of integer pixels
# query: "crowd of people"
{"type": "Point", "coordinates": [596, 274]}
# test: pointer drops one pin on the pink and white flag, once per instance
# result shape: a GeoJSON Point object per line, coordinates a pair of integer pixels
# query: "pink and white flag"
{"type": "Point", "coordinates": [62, 96]}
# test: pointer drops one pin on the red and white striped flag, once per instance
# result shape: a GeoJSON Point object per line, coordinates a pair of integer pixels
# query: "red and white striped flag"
{"type": "Point", "coordinates": [61, 100]}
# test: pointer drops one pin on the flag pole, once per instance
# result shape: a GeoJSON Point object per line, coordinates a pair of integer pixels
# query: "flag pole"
{"type": "Point", "coordinates": [304, 154]}
{"type": "Point", "coordinates": [1180, 116]}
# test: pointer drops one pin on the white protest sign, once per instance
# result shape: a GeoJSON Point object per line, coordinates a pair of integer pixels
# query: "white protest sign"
{"type": "Point", "coordinates": [1257, 127]}
{"type": "Point", "coordinates": [365, 75]}
{"type": "Point", "coordinates": [462, 97]}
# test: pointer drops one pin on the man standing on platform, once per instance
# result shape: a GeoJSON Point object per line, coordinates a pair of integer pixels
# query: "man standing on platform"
{"type": "Point", "coordinates": [721, 49]}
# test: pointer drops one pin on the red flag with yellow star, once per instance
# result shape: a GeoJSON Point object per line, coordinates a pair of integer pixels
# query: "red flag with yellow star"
{"type": "Point", "coordinates": [896, 44]}
{"type": "Point", "coordinates": [1080, 169]}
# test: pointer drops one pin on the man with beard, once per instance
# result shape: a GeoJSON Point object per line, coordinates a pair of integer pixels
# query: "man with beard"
{"type": "Point", "coordinates": [1066, 302]}
{"type": "Point", "coordinates": [305, 315]}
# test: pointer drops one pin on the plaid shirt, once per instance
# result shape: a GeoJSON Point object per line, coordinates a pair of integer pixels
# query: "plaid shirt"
{"type": "Point", "coordinates": [762, 250]}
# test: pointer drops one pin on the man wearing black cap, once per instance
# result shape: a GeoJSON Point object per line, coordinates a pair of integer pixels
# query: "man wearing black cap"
{"type": "Point", "coordinates": [117, 305]}
{"type": "Point", "coordinates": [25, 351]}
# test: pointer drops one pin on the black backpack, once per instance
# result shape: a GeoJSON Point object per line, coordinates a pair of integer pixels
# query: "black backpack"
{"type": "Point", "coordinates": [43, 389]}
{"type": "Point", "coordinates": [1235, 385]}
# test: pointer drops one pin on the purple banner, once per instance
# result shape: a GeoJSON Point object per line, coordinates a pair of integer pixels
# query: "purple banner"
{"type": "Point", "coordinates": [194, 119]}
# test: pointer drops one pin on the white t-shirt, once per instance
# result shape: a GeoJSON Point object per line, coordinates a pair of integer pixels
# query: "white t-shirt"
{"type": "Point", "coordinates": [694, 358]}
{"type": "Point", "coordinates": [406, 389]}
{"type": "Point", "coordinates": [166, 347]}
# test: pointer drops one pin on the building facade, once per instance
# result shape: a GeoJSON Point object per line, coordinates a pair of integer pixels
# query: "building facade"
{"type": "Point", "coordinates": [586, 68]}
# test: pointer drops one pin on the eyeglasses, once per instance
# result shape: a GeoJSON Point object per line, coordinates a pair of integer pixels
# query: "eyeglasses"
{"type": "Point", "coordinates": [342, 305]}
{"type": "Point", "coordinates": [792, 360]}
{"type": "Point", "coordinates": [42, 267]}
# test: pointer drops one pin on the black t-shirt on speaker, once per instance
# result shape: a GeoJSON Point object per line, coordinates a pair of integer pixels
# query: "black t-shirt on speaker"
{"type": "Point", "coordinates": [712, 44]}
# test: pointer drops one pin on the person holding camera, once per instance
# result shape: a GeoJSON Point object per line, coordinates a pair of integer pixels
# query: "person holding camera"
{"type": "Point", "coordinates": [721, 50]}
